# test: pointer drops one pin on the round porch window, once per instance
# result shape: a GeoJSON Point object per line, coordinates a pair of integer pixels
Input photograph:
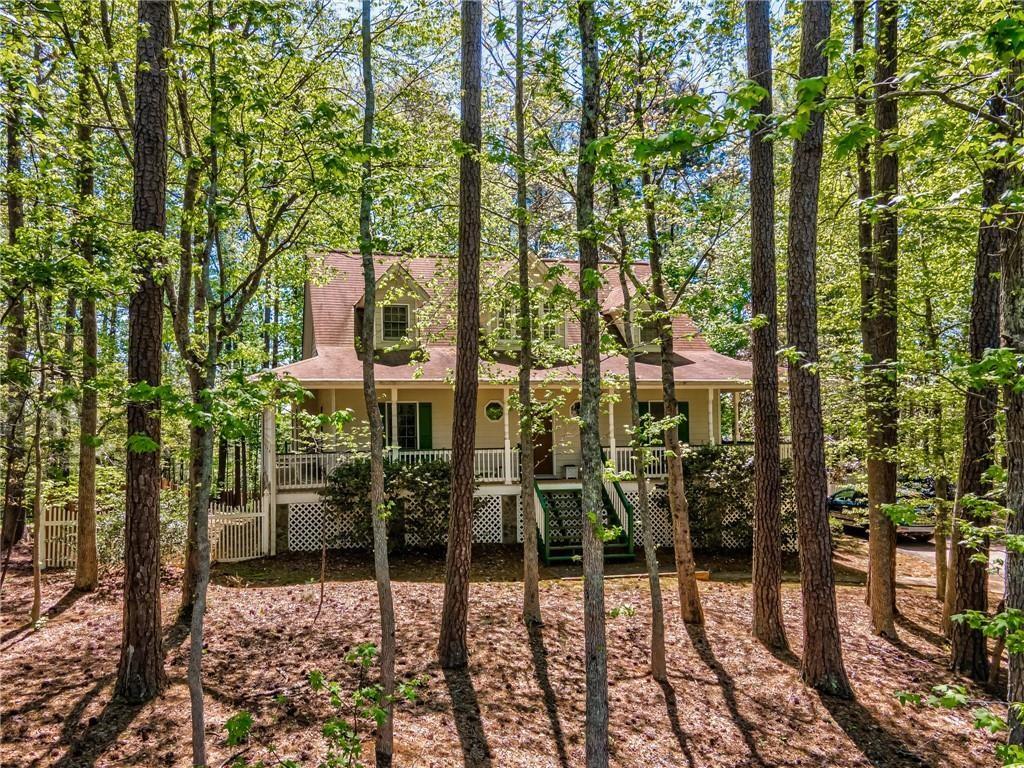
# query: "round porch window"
{"type": "Point", "coordinates": [494, 410]}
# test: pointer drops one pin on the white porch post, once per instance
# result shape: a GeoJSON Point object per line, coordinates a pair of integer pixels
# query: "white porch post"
{"type": "Point", "coordinates": [508, 441]}
{"type": "Point", "coordinates": [735, 416]}
{"type": "Point", "coordinates": [712, 396]}
{"type": "Point", "coordinates": [611, 432]}
{"type": "Point", "coordinates": [334, 410]}
{"type": "Point", "coordinates": [394, 423]}
{"type": "Point", "coordinates": [268, 481]}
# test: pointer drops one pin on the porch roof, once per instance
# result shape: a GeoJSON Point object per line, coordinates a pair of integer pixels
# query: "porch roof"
{"type": "Point", "coordinates": [343, 365]}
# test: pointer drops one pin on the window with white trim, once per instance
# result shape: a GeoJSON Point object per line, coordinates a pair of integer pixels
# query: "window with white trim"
{"type": "Point", "coordinates": [394, 321]}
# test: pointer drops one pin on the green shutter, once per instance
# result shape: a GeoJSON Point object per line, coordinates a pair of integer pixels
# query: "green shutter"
{"type": "Point", "coordinates": [426, 427]}
{"type": "Point", "coordinates": [684, 425]}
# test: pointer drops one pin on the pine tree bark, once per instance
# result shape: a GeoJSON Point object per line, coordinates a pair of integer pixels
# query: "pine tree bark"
{"type": "Point", "coordinates": [880, 373]}
{"type": "Point", "coordinates": [595, 647]}
{"type": "Point", "coordinates": [822, 663]}
{"type": "Point", "coordinates": [86, 565]}
{"type": "Point", "coordinates": [140, 674]}
{"type": "Point", "coordinates": [1013, 400]}
{"type": "Point", "coordinates": [967, 582]}
{"type": "Point", "coordinates": [531, 568]}
{"type": "Point", "coordinates": [768, 626]}
{"type": "Point", "coordinates": [384, 746]}
{"type": "Point", "coordinates": [453, 651]}
{"type": "Point", "coordinates": [1012, 285]}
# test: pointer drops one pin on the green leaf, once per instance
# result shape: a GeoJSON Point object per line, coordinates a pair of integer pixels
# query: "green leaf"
{"type": "Point", "coordinates": [238, 727]}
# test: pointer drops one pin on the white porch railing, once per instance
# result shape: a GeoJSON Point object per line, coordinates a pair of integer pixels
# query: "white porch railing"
{"type": "Point", "coordinates": [310, 470]}
{"type": "Point", "coordinates": [656, 464]}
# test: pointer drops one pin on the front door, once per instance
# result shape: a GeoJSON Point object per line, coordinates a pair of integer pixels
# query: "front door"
{"type": "Point", "coordinates": [543, 456]}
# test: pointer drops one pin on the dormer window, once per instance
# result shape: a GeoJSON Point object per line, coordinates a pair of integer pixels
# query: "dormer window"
{"type": "Point", "coordinates": [394, 321]}
{"type": "Point", "coordinates": [649, 333]}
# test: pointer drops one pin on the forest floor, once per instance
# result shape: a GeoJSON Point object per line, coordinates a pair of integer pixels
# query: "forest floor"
{"type": "Point", "coordinates": [728, 701]}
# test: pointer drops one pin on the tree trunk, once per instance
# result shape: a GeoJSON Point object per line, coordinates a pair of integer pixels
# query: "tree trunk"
{"type": "Point", "coordinates": [452, 646]}
{"type": "Point", "coordinates": [967, 584]}
{"type": "Point", "coordinates": [1012, 284]}
{"type": "Point", "coordinates": [37, 458]}
{"type": "Point", "coordinates": [531, 577]}
{"type": "Point", "coordinates": [17, 361]}
{"type": "Point", "coordinates": [140, 674]}
{"type": "Point", "coordinates": [880, 374]}
{"type": "Point", "coordinates": [640, 456]}
{"type": "Point", "coordinates": [86, 567]}
{"type": "Point", "coordinates": [822, 663]}
{"type": "Point", "coordinates": [385, 730]}
{"type": "Point", "coordinates": [768, 626]}
{"type": "Point", "coordinates": [682, 545]}
{"type": "Point", "coordinates": [595, 647]}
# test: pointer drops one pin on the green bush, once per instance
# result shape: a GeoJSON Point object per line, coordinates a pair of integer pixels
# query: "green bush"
{"type": "Point", "coordinates": [720, 491]}
{"type": "Point", "coordinates": [416, 499]}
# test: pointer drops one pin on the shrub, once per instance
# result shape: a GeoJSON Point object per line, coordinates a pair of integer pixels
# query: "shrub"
{"type": "Point", "coordinates": [720, 490]}
{"type": "Point", "coordinates": [416, 498]}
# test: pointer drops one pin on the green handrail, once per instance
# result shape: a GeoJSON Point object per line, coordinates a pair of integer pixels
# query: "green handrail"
{"type": "Point", "coordinates": [630, 512]}
{"type": "Point", "coordinates": [547, 515]}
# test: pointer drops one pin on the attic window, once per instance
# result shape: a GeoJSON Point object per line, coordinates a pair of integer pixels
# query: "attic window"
{"type": "Point", "coordinates": [649, 332]}
{"type": "Point", "coordinates": [395, 321]}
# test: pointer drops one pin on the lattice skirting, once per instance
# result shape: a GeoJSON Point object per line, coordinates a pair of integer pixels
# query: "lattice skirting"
{"type": "Point", "coordinates": [307, 524]}
{"type": "Point", "coordinates": [734, 530]}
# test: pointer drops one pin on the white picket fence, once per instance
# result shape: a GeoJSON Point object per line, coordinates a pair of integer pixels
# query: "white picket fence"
{"type": "Point", "coordinates": [58, 537]}
{"type": "Point", "coordinates": [236, 534]}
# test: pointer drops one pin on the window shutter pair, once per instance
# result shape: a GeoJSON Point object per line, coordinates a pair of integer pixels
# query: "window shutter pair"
{"type": "Point", "coordinates": [683, 428]}
{"type": "Point", "coordinates": [424, 423]}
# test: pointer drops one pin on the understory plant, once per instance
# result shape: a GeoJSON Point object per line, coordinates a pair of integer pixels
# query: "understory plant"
{"type": "Point", "coordinates": [354, 713]}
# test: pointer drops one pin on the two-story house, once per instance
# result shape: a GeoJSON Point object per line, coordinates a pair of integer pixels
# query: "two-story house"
{"type": "Point", "coordinates": [415, 349]}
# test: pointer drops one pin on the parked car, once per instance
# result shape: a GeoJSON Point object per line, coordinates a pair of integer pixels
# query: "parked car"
{"type": "Point", "coordinates": [850, 506]}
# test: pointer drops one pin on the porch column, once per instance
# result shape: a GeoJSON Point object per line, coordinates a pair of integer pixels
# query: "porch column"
{"type": "Point", "coordinates": [611, 433]}
{"type": "Point", "coordinates": [394, 423]}
{"type": "Point", "coordinates": [735, 416]}
{"type": "Point", "coordinates": [712, 396]}
{"type": "Point", "coordinates": [268, 480]}
{"type": "Point", "coordinates": [334, 409]}
{"type": "Point", "coordinates": [508, 442]}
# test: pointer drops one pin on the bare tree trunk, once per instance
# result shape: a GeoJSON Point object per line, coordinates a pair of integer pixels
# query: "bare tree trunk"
{"type": "Point", "coordinates": [1012, 284]}
{"type": "Point", "coordinates": [86, 566]}
{"type": "Point", "coordinates": [37, 492]}
{"type": "Point", "coordinates": [452, 647]}
{"type": "Point", "coordinates": [768, 626]}
{"type": "Point", "coordinates": [140, 674]}
{"type": "Point", "coordinates": [682, 545]}
{"type": "Point", "coordinates": [17, 361]}
{"type": "Point", "coordinates": [936, 453]}
{"type": "Point", "coordinates": [596, 651]}
{"type": "Point", "coordinates": [881, 374]}
{"type": "Point", "coordinates": [201, 472]}
{"type": "Point", "coordinates": [822, 663]}
{"type": "Point", "coordinates": [531, 577]}
{"type": "Point", "coordinates": [640, 456]}
{"type": "Point", "coordinates": [967, 584]}
{"type": "Point", "coordinates": [385, 731]}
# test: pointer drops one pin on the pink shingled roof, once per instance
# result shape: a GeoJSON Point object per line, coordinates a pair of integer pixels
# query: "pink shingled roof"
{"type": "Point", "coordinates": [333, 304]}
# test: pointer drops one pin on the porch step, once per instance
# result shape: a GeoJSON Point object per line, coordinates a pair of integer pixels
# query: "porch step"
{"type": "Point", "coordinates": [561, 541]}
